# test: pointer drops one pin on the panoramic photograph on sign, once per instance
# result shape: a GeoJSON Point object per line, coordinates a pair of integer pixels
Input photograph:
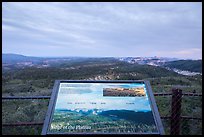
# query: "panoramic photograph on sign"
{"type": "Point", "coordinates": [102, 108]}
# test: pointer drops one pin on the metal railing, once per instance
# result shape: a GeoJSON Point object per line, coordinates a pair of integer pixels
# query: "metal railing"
{"type": "Point", "coordinates": [175, 116]}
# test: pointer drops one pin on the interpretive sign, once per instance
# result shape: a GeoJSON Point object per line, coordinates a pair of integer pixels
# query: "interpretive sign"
{"type": "Point", "coordinates": [102, 107]}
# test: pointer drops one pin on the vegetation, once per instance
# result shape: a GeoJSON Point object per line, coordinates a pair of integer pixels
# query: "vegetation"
{"type": "Point", "coordinates": [35, 81]}
{"type": "Point", "coordinates": [102, 123]}
{"type": "Point", "coordinates": [189, 65]}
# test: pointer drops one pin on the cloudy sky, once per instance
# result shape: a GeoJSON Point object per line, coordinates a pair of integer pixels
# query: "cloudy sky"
{"type": "Point", "coordinates": [103, 29]}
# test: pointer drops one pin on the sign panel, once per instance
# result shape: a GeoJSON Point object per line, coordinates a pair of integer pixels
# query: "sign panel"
{"type": "Point", "coordinates": [102, 107]}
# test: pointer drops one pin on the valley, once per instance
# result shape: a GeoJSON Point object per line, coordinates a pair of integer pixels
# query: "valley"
{"type": "Point", "coordinates": [36, 80]}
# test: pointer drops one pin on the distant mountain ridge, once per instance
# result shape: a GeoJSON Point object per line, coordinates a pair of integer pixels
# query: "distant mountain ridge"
{"type": "Point", "coordinates": [21, 61]}
{"type": "Point", "coordinates": [11, 58]}
{"type": "Point", "coordinates": [15, 58]}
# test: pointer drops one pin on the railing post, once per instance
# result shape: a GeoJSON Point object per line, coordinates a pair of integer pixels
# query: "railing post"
{"type": "Point", "coordinates": [176, 111]}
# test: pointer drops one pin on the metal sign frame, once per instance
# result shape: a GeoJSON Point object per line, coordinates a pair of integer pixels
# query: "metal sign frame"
{"type": "Point", "coordinates": [55, 91]}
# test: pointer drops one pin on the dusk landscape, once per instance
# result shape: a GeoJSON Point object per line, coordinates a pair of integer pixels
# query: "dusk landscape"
{"type": "Point", "coordinates": [159, 42]}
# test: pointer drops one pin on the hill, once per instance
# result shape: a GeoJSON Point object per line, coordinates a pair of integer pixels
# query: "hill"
{"type": "Point", "coordinates": [188, 65]}
{"type": "Point", "coordinates": [16, 58]}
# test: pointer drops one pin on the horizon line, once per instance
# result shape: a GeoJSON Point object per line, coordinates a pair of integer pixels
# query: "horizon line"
{"type": "Point", "coordinates": [103, 56]}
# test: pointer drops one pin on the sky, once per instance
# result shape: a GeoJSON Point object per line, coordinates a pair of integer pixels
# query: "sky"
{"type": "Point", "coordinates": [103, 29]}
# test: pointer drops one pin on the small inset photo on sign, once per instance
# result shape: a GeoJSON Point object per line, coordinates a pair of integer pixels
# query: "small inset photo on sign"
{"type": "Point", "coordinates": [131, 92]}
